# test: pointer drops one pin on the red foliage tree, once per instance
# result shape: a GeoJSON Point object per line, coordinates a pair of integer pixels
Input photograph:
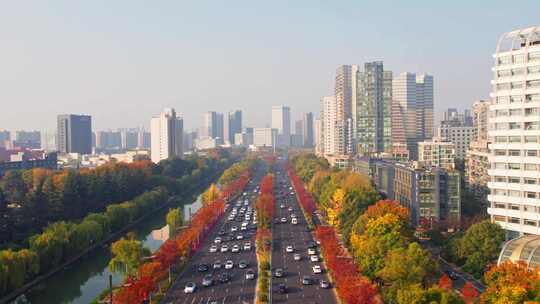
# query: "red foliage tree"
{"type": "Point", "coordinates": [469, 293]}
{"type": "Point", "coordinates": [445, 282]}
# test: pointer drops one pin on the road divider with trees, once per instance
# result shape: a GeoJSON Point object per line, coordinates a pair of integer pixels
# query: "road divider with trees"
{"type": "Point", "coordinates": [265, 206]}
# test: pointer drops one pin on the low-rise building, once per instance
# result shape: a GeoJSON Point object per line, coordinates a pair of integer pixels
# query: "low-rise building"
{"type": "Point", "coordinates": [437, 153]}
{"type": "Point", "coordinates": [47, 161]}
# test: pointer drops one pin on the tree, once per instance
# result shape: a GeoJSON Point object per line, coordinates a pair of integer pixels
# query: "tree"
{"type": "Point", "coordinates": [511, 283]}
{"type": "Point", "coordinates": [127, 255]}
{"type": "Point", "coordinates": [174, 220]}
{"type": "Point", "coordinates": [446, 283]}
{"type": "Point", "coordinates": [211, 194]}
{"type": "Point", "coordinates": [480, 245]}
{"type": "Point", "coordinates": [469, 293]}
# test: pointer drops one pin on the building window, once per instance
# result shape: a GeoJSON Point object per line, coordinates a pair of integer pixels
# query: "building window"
{"type": "Point", "coordinates": [529, 181]}
{"type": "Point", "coordinates": [530, 222]}
{"type": "Point", "coordinates": [513, 207]}
{"type": "Point", "coordinates": [500, 179]}
{"type": "Point", "coordinates": [514, 153]}
{"type": "Point", "coordinates": [499, 218]}
{"type": "Point", "coordinates": [529, 208]}
{"type": "Point", "coordinates": [532, 56]}
{"type": "Point", "coordinates": [532, 97]}
{"type": "Point", "coordinates": [514, 180]}
{"type": "Point", "coordinates": [532, 153]}
{"type": "Point", "coordinates": [514, 193]}
{"type": "Point", "coordinates": [533, 69]}
{"type": "Point", "coordinates": [514, 139]}
{"type": "Point", "coordinates": [531, 139]}
{"type": "Point", "coordinates": [516, 98]}
{"type": "Point", "coordinates": [514, 125]}
{"type": "Point", "coordinates": [500, 166]}
{"type": "Point", "coordinates": [500, 205]}
{"type": "Point", "coordinates": [500, 139]}
{"type": "Point", "coordinates": [514, 166]}
{"type": "Point", "coordinates": [530, 167]}
{"type": "Point", "coordinates": [507, 59]}
{"type": "Point", "coordinates": [514, 220]}
{"type": "Point", "coordinates": [531, 194]}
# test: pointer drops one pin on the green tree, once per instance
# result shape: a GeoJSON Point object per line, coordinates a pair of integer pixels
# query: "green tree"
{"type": "Point", "coordinates": [480, 245]}
{"type": "Point", "coordinates": [174, 220]}
{"type": "Point", "coordinates": [14, 186]}
{"type": "Point", "coordinates": [84, 235]}
{"type": "Point", "coordinates": [127, 255]}
{"type": "Point", "coordinates": [356, 202]}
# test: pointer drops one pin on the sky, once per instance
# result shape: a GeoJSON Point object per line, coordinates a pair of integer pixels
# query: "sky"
{"type": "Point", "coordinates": [124, 61]}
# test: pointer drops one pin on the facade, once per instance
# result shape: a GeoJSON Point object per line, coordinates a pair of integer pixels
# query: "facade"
{"type": "Point", "coordinates": [437, 153]}
{"type": "Point", "coordinates": [231, 126]}
{"type": "Point", "coordinates": [372, 117]}
{"type": "Point", "coordinates": [307, 130]}
{"type": "Point", "coordinates": [514, 133]}
{"type": "Point", "coordinates": [265, 137]}
{"type": "Point", "coordinates": [48, 161]}
{"type": "Point", "coordinates": [281, 121]}
{"type": "Point", "coordinates": [318, 136]}
{"type": "Point", "coordinates": [5, 136]}
{"type": "Point", "coordinates": [108, 140]}
{"type": "Point", "coordinates": [129, 139]}
{"type": "Point", "coordinates": [74, 134]}
{"type": "Point", "coordinates": [476, 162]}
{"type": "Point", "coordinates": [213, 125]}
{"type": "Point", "coordinates": [412, 110]}
{"type": "Point", "coordinates": [460, 136]}
{"type": "Point", "coordinates": [143, 140]}
{"type": "Point", "coordinates": [27, 140]}
{"type": "Point", "coordinates": [167, 132]}
{"type": "Point", "coordinates": [330, 141]}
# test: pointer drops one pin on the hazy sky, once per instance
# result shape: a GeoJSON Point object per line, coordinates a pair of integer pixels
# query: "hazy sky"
{"type": "Point", "coordinates": [123, 61]}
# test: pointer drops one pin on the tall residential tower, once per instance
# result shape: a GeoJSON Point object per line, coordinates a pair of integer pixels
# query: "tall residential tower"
{"type": "Point", "coordinates": [166, 135]}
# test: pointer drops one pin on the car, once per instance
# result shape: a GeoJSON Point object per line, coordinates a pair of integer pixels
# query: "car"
{"type": "Point", "coordinates": [276, 221]}
{"type": "Point", "coordinates": [247, 246]}
{"type": "Point", "coordinates": [312, 245]}
{"type": "Point", "coordinates": [307, 280]}
{"type": "Point", "coordinates": [324, 284]}
{"type": "Point", "coordinates": [207, 280]}
{"type": "Point", "coordinates": [224, 248]}
{"type": "Point", "coordinates": [217, 240]}
{"type": "Point", "coordinates": [190, 287]}
{"type": "Point", "coordinates": [293, 215]}
{"type": "Point", "coordinates": [217, 265]}
{"type": "Point", "coordinates": [282, 288]}
{"type": "Point", "coordinates": [224, 277]}
{"type": "Point", "coordinates": [234, 229]}
{"type": "Point", "coordinates": [235, 248]}
{"type": "Point", "coordinates": [297, 257]}
{"type": "Point", "coordinates": [314, 258]}
{"type": "Point", "coordinates": [229, 264]}
{"type": "Point", "coordinates": [283, 219]}
{"type": "Point", "coordinates": [278, 273]}
{"type": "Point", "coordinates": [289, 248]}
{"type": "Point", "coordinates": [452, 274]}
{"type": "Point", "coordinates": [240, 237]}
{"type": "Point", "coordinates": [290, 209]}
{"type": "Point", "coordinates": [316, 269]}
{"type": "Point", "coordinates": [221, 232]}
{"type": "Point", "coordinates": [213, 248]}
{"type": "Point", "coordinates": [242, 264]}
{"type": "Point", "coordinates": [294, 221]}
{"type": "Point", "coordinates": [250, 274]}
{"type": "Point", "coordinates": [282, 206]}
{"type": "Point", "coordinates": [202, 268]}
{"type": "Point", "coordinates": [311, 251]}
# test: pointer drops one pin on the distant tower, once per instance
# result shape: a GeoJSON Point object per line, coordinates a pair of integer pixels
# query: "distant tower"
{"type": "Point", "coordinates": [166, 136]}
{"type": "Point", "coordinates": [74, 134]}
{"type": "Point", "coordinates": [281, 120]}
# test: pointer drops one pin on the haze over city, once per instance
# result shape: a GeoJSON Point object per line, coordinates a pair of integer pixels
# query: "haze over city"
{"type": "Point", "coordinates": [123, 61]}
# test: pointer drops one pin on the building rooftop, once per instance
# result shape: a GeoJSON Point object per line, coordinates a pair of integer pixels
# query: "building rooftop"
{"type": "Point", "coordinates": [517, 39]}
{"type": "Point", "coordinates": [525, 248]}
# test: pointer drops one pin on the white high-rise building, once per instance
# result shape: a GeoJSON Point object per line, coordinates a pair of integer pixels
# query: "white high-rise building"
{"type": "Point", "coordinates": [281, 121]}
{"type": "Point", "coordinates": [318, 136]}
{"type": "Point", "coordinates": [329, 122]}
{"type": "Point", "coordinates": [514, 133]}
{"type": "Point", "coordinates": [412, 103]}
{"type": "Point", "coordinates": [166, 135]}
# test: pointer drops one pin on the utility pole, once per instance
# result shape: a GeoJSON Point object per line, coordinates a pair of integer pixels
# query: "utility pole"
{"type": "Point", "coordinates": [110, 288]}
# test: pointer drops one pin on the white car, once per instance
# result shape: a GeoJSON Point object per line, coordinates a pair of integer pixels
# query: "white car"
{"type": "Point", "coordinates": [235, 248]}
{"type": "Point", "coordinates": [229, 264]}
{"type": "Point", "coordinates": [240, 237]}
{"type": "Point", "coordinates": [289, 248]}
{"type": "Point", "coordinates": [314, 258]}
{"type": "Point", "coordinates": [316, 269]}
{"type": "Point", "coordinates": [294, 221]}
{"type": "Point", "coordinates": [297, 257]}
{"type": "Point", "coordinates": [293, 215]}
{"type": "Point", "coordinates": [224, 248]}
{"type": "Point", "coordinates": [283, 219]}
{"type": "Point", "coordinates": [311, 251]}
{"type": "Point", "coordinates": [217, 265]}
{"type": "Point", "coordinates": [234, 229]}
{"type": "Point", "coordinates": [250, 274]}
{"type": "Point", "coordinates": [217, 240]}
{"type": "Point", "coordinates": [247, 246]}
{"type": "Point", "coordinates": [190, 287]}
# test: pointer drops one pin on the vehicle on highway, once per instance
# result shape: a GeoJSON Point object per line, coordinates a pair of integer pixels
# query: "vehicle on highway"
{"type": "Point", "coordinates": [312, 245]}
{"type": "Point", "coordinates": [235, 248]}
{"type": "Point", "coordinates": [282, 206]}
{"type": "Point", "coordinates": [213, 248]}
{"type": "Point", "coordinates": [283, 219]}
{"type": "Point", "coordinates": [294, 221]}
{"type": "Point", "coordinates": [242, 264]}
{"type": "Point", "coordinates": [307, 280]}
{"type": "Point", "coordinates": [316, 269]}
{"type": "Point", "coordinates": [282, 288]}
{"type": "Point", "coordinates": [324, 284]}
{"type": "Point", "coordinates": [234, 229]}
{"type": "Point", "coordinates": [297, 257]}
{"type": "Point", "coordinates": [276, 221]}
{"type": "Point", "coordinates": [289, 248]}
{"type": "Point", "coordinates": [202, 268]}
{"type": "Point", "coordinates": [314, 258]}
{"type": "Point", "coordinates": [221, 232]}
{"type": "Point", "coordinates": [247, 246]}
{"type": "Point", "coordinates": [452, 275]}
{"type": "Point", "coordinates": [207, 280]}
{"type": "Point", "coordinates": [250, 274]}
{"type": "Point", "coordinates": [278, 273]}
{"type": "Point", "coordinates": [311, 251]}
{"type": "Point", "coordinates": [190, 287]}
{"type": "Point", "coordinates": [217, 264]}
{"type": "Point", "coordinates": [217, 240]}
{"type": "Point", "coordinates": [229, 264]}
{"type": "Point", "coordinates": [224, 248]}
{"type": "Point", "coordinates": [224, 277]}
{"type": "Point", "coordinates": [290, 209]}
{"type": "Point", "coordinates": [240, 237]}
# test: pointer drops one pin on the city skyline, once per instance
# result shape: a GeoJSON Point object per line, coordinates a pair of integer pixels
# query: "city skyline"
{"type": "Point", "coordinates": [43, 76]}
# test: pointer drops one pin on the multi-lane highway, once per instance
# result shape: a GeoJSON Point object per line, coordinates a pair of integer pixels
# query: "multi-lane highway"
{"type": "Point", "coordinates": [290, 287]}
{"type": "Point", "coordinates": [228, 285]}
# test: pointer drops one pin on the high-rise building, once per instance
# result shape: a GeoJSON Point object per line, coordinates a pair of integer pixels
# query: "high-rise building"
{"type": "Point", "coordinates": [27, 140]}
{"type": "Point", "coordinates": [372, 117]}
{"type": "Point", "coordinates": [281, 121]}
{"type": "Point", "coordinates": [412, 110]}
{"type": "Point", "coordinates": [437, 153]}
{"type": "Point", "coordinates": [213, 126]}
{"type": "Point", "coordinates": [329, 124]}
{"type": "Point", "coordinates": [167, 132]}
{"type": "Point", "coordinates": [129, 139]}
{"type": "Point", "coordinates": [265, 137]}
{"type": "Point", "coordinates": [476, 162]}
{"type": "Point", "coordinates": [318, 136]}
{"type": "Point", "coordinates": [5, 136]}
{"type": "Point", "coordinates": [231, 126]}
{"type": "Point", "coordinates": [108, 140]}
{"type": "Point", "coordinates": [513, 131]}
{"type": "Point", "coordinates": [74, 134]}
{"type": "Point", "coordinates": [457, 128]}
{"type": "Point", "coordinates": [307, 130]}
{"type": "Point", "coordinates": [143, 140]}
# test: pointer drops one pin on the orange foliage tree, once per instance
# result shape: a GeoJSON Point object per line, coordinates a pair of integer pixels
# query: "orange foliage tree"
{"type": "Point", "coordinates": [469, 293]}
{"type": "Point", "coordinates": [445, 282]}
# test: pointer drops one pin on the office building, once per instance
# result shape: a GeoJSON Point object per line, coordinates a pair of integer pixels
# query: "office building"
{"type": "Point", "coordinates": [213, 126]}
{"type": "Point", "coordinates": [318, 136]}
{"type": "Point", "coordinates": [108, 140]}
{"type": "Point", "coordinates": [307, 130]}
{"type": "Point", "coordinates": [281, 121]}
{"type": "Point", "coordinates": [232, 125]}
{"type": "Point", "coordinates": [298, 127]}
{"type": "Point", "coordinates": [74, 134]}
{"type": "Point", "coordinates": [27, 140]}
{"type": "Point", "coordinates": [329, 121]}
{"type": "Point", "coordinates": [265, 137]}
{"type": "Point", "coordinates": [513, 131]}
{"type": "Point", "coordinates": [167, 132]}
{"type": "Point", "coordinates": [437, 153]}
{"type": "Point", "coordinates": [460, 136]}
{"type": "Point", "coordinates": [143, 140]}
{"type": "Point", "coordinates": [129, 139]}
{"type": "Point", "coordinates": [412, 110]}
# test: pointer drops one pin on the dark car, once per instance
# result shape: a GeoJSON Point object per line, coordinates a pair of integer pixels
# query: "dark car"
{"type": "Point", "coordinates": [202, 268]}
{"type": "Point", "coordinates": [221, 232]}
{"type": "Point", "coordinates": [207, 280]}
{"type": "Point", "coordinates": [242, 264]}
{"type": "Point", "coordinates": [452, 274]}
{"type": "Point", "coordinates": [224, 277]}
{"type": "Point", "coordinates": [306, 280]}
{"type": "Point", "coordinates": [277, 221]}
{"type": "Point", "coordinates": [282, 288]}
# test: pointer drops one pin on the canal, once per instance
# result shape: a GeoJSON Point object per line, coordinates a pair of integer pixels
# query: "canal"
{"type": "Point", "coordinates": [85, 279]}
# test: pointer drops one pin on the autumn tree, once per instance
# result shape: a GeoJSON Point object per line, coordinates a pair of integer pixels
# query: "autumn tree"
{"type": "Point", "coordinates": [511, 283]}
{"type": "Point", "coordinates": [174, 220]}
{"type": "Point", "coordinates": [211, 194]}
{"type": "Point", "coordinates": [470, 294]}
{"type": "Point", "coordinates": [445, 282]}
{"type": "Point", "coordinates": [126, 256]}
